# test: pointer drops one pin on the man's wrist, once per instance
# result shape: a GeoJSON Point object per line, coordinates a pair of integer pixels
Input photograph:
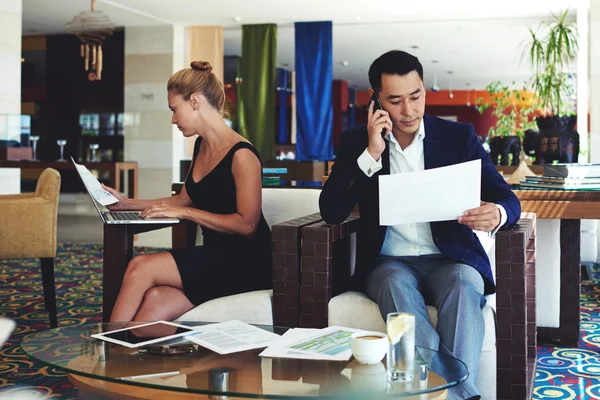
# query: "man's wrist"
{"type": "Point", "coordinates": [376, 156]}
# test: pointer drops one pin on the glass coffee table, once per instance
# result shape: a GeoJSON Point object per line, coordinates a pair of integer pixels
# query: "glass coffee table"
{"type": "Point", "coordinates": [105, 370]}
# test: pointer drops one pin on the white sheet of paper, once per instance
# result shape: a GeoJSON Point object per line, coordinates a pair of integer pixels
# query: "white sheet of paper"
{"type": "Point", "coordinates": [232, 337]}
{"type": "Point", "coordinates": [438, 194]}
{"type": "Point", "coordinates": [93, 185]}
{"type": "Point", "coordinates": [331, 343]}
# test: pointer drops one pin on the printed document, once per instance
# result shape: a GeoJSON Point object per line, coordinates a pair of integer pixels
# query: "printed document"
{"type": "Point", "coordinates": [332, 343]}
{"type": "Point", "coordinates": [232, 337]}
{"type": "Point", "coordinates": [439, 194]}
{"type": "Point", "coordinates": [94, 187]}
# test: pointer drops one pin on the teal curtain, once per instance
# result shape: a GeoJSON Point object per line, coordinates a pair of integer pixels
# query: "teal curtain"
{"type": "Point", "coordinates": [256, 101]}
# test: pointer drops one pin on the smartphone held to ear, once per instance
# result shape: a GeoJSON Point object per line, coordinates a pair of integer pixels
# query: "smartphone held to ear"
{"type": "Point", "coordinates": [377, 106]}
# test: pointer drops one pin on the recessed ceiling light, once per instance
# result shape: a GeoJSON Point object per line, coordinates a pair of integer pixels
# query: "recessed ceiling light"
{"type": "Point", "coordinates": [414, 47]}
{"type": "Point", "coordinates": [449, 72]}
{"type": "Point", "coordinates": [237, 19]}
{"type": "Point", "coordinates": [358, 17]}
{"type": "Point", "coordinates": [344, 63]}
{"type": "Point", "coordinates": [434, 61]}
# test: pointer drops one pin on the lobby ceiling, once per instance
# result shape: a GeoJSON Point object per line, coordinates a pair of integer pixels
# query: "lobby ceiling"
{"type": "Point", "coordinates": [461, 44]}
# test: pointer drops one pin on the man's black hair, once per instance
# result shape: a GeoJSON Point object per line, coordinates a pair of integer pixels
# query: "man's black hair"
{"type": "Point", "coordinates": [394, 62]}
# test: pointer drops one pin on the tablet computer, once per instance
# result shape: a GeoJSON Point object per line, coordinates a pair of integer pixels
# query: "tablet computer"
{"type": "Point", "coordinates": [144, 334]}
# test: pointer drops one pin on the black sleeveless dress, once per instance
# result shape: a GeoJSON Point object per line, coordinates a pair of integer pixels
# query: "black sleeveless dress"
{"type": "Point", "coordinates": [225, 264]}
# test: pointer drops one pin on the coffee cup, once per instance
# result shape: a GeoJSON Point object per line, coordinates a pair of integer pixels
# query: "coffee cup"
{"type": "Point", "coordinates": [369, 347]}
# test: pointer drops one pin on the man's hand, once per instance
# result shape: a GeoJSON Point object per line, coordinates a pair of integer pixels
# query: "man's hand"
{"type": "Point", "coordinates": [377, 121]}
{"type": "Point", "coordinates": [164, 211]}
{"type": "Point", "coordinates": [483, 218]}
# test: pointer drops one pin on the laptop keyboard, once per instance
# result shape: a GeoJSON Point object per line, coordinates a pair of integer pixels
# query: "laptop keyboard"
{"type": "Point", "coordinates": [126, 216]}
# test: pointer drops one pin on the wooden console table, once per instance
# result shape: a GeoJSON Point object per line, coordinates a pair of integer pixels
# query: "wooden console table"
{"type": "Point", "coordinates": [33, 169]}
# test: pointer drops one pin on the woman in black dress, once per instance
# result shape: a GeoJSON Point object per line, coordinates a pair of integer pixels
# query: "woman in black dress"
{"type": "Point", "coordinates": [222, 193]}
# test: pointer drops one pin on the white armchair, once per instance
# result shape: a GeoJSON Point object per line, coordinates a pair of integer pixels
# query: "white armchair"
{"type": "Point", "coordinates": [507, 362]}
{"type": "Point", "coordinates": [286, 210]}
{"type": "Point", "coordinates": [356, 310]}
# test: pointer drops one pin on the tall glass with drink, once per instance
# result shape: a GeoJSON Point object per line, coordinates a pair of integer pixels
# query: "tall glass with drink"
{"type": "Point", "coordinates": [401, 354]}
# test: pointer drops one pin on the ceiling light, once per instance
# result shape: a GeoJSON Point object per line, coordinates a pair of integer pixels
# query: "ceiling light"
{"type": "Point", "coordinates": [91, 27]}
{"type": "Point", "coordinates": [237, 19]}
{"type": "Point", "coordinates": [414, 47]}
{"type": "Point", "coordinates": [345, 63]}
{"type": "Point", "coordinates": [434, 61]}
{"type": "Point", "coordinates": [358, 17]}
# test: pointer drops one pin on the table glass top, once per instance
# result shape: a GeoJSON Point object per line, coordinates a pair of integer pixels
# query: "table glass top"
{"type": "Point", "coordinates": [248, 375]}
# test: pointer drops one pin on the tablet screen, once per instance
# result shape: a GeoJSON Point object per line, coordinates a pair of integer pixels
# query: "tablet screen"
{"type": "Point", "coordinates": [140, 334]}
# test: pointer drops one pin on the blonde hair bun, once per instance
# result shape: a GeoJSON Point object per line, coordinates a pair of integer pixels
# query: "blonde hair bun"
{"type": "Point", "coordinates": [201, 66]}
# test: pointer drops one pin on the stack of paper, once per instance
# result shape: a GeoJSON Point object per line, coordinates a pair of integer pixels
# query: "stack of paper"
{"type": "Point", "coordinates": [232, 337]}
{"type": "Point", "coordinates": [93, 186]}
{"type": "Point", "coordinates": [332, 344]}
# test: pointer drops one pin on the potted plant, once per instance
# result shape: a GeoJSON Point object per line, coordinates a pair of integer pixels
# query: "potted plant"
{"type": "Point", "coordinates": [513, 112]}
{"type": "Point", "coordinates": [550, 51]}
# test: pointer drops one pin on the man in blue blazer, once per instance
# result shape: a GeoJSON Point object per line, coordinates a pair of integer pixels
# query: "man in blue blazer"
{"type": "Point", "coordinates": [405, 267]}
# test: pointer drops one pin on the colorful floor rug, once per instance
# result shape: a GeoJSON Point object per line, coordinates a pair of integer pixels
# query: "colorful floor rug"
{"type": "Point", "coordinates": [562, 373]}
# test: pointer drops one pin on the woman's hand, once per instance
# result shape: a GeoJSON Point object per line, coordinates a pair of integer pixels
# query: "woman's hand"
{"type": "Point", "coordinates": [164, 210]}
{"type": "Point", "coordinates": [122, 204]}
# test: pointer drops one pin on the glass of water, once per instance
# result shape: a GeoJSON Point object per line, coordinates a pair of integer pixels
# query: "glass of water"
{"type": "Point", "coordinates": [401, 354]}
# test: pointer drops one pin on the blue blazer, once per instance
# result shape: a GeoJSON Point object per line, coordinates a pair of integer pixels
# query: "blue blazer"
{"type": "Point", "coordinates": [445, 143]}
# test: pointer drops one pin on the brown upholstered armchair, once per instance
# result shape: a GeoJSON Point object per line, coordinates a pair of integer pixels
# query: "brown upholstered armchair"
{"type": "Point", "coordinates": [28, 230]}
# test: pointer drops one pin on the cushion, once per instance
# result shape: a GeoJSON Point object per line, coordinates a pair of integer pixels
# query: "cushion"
{"type": "Point", "coordinates": [282, 204]}
{"type": "Point", "coordinates": [356, 310]}
{"type": "Point", "coordinates": [252, 308]}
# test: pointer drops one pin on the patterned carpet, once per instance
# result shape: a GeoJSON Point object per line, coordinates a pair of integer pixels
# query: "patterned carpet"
{"type": "Point", "coordinates": [562, 373]}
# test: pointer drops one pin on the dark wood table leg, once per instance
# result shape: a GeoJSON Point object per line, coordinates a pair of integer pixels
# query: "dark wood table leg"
{"type": "Point", "coordinates": [132, 183]}
{"type": "Point", "coordinates": [570, 286]}
{"type": "Point", "coordinates": [116, 177]}
{"type": "Point", "coordinates": [118, 251]}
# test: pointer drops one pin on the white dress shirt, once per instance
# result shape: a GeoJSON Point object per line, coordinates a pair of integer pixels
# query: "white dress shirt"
{"type": "Point", "coordinates": [408, 239]}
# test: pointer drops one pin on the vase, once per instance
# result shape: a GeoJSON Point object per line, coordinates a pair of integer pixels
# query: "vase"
{"type": "Point", "coordinates": [502, 146]}
{"type": "Point", "coordinates": [558, 140]}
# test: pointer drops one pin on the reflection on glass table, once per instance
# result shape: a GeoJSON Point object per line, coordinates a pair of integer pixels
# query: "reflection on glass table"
{"type": "Point", "coordinates": [242, 375]}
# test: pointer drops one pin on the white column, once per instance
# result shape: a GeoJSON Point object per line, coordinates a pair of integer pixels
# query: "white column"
{"type": "Point", "coordinates": [594, 74]}
{"type": "Point", "coordinates": [10, 56]}
{"type": "Point", "coordinates": [152, 55]}
{"type": "Point", "coordinates": [582, 79]}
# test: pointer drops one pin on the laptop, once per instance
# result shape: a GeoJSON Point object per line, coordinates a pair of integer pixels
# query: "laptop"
{"type": "Point", "coordinates": [101, 198]}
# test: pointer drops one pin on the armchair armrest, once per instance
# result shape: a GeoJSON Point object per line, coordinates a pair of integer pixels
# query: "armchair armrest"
{"type": "Point", "coordinates": [515, 310]}
{"type": "Point", "coordinates": [324, 276]}
{"type": "Point", "coordinates": [287, 244]}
